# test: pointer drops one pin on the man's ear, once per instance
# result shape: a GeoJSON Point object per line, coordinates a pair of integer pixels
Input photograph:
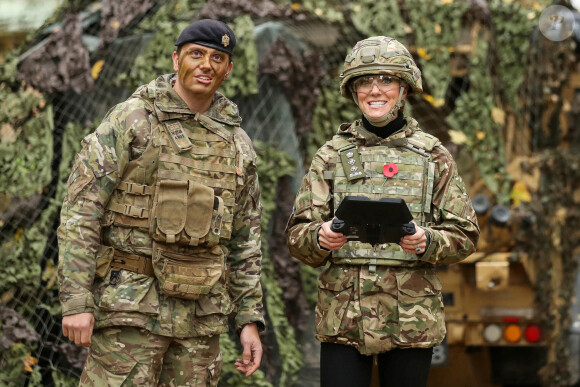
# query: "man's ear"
{"type": "Point", "coordinates": [175, 59]}
{"type": "Point", "coordinates": [230, 67]}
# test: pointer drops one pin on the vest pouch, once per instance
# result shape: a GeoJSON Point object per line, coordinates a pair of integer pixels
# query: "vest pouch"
{"type": "Point", "coordinates": [103, 257]}
{"type": "Point", "coordinates": [169, 211]}
{"type": "Point", "coordinates": [186, 213]}
{"type": "Point", "coordinates": [185, 272]}
{"type": "Point", "coordinates": [212, 236]}
{"type": "Point", "coordinates": [202, 212]}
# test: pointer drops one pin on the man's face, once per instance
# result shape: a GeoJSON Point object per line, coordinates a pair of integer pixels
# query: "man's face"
{"type": "Point", "coordinates": [200, 70]}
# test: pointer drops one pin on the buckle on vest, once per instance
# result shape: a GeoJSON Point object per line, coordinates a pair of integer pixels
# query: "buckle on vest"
{"type": "Point", "coordinates": [133, 212]}
{"type": "Point", "coordinates": [137, 189]}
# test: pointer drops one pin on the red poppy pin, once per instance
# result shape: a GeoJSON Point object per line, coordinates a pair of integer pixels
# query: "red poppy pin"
{"type": "Point", "coordinates": [390, 169]}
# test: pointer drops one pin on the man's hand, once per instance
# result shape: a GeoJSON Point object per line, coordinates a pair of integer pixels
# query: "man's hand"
{"type": "Point", "coordinates": [329, 239]}
{"type": "Point", "coordinates": [416, 243]}
{"type": "Point", "coordinates": [79, 328]}
{"type": "Point", "coordinates": [252, 356]}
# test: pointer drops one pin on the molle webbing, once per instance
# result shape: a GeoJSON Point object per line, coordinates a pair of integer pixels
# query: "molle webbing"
{"type": "Point", "coordinates": [211, 161]}
{"type": "Point", "coordinates": [132, 262]}
{"type": "Point", "coordinates": [413, 182]}
{"type": "Point", "coordinates": [396, 258]}
{"type": "Point", "coordinates": [129, 210]}
{"type": "Point", "coordinates": [134, 188]}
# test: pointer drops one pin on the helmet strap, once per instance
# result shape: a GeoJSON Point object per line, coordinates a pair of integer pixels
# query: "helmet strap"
{"type": "Point", "coordinates": [390, 116]}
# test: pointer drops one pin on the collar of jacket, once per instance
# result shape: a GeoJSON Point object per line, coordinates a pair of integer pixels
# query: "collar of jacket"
{"type": "Point", "coordinates": [169, 104]}
{"type": "Point", "coordinates": [364, 137]}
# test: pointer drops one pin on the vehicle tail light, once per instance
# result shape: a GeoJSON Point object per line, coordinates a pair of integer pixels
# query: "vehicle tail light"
{"type": "Point", "coordinates": [512, 333]}
{"type": "Point", "coordinates": [533, 333]}
{"type": "Point", "coordinates": [492, 333]}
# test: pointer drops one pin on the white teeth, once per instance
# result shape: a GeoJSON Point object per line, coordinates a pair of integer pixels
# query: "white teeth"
{"type": "Point", "coordinates": [377, 103]}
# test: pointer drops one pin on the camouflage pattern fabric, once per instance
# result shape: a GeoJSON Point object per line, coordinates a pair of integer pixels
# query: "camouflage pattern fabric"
{"type": "Point", "coordinates": [131, 356]}
{"type": "Point", "coordinates": [413, 183]}
{"type": "Point", "coordinates": [389, 307]}
{"type": "Point", "coordinates": [124, 298]}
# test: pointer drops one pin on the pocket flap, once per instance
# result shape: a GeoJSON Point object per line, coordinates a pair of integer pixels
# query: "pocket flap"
{"type": "Point", "coordinates": [172, 206]}
{"type": "Point", "coordinates": [335, 279]}
{"type": "Point", "coordinates": [200, 206]}
{"type": "Point", "coordinates": [418, 284]}
{"type": "Point", "coordinates": [104, 257]}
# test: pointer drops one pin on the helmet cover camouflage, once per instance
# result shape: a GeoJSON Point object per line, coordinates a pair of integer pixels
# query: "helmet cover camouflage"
{"type": "Point", "coordinates": [380, 55]}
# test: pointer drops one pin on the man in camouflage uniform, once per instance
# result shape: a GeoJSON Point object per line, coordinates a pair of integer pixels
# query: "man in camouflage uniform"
{"type": "Point", "coordinates": [160, 229]}
{"type": "Point", "coordinates": [381, 301]}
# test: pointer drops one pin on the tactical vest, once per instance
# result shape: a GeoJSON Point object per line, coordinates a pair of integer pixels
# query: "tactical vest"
{"type": "Point", "coordinates": [182, 189]}
{"type": "Point", "coordinates": [359, 172]}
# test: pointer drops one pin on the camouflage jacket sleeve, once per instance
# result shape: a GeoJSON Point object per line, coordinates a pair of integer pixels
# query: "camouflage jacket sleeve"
{"type": "Point", "coordinates": [245, 257]}
{"type": "Point", "coordinates": [90, 184]}
{"type": "Point", "coordinates": [455, 231]}
{"type": "Point", "coordinates": [311, 209]}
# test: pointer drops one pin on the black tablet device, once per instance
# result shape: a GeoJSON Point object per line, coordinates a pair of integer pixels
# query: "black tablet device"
{"type": "Point", "coordinates": [360, 209]}
{"type": "Point", "coordinates": [385, 220]}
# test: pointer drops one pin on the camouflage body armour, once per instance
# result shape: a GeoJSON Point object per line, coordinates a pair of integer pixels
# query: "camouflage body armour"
{"type": "Point", "coordinates": [130, 250]}
{"type": "Point", "coordinates": [186, 202]}
{"type": "Point", "coordinates": [377, 298]}
{"type": "Point", "coordinates": [413, 182]}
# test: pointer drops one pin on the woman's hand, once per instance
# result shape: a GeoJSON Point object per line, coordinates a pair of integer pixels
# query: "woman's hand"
{"type": "Point", "coordinates": [416, 243]}
{"type": "Point", "coordinates": [329, 239]}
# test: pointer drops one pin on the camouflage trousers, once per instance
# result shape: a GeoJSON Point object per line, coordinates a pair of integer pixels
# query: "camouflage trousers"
{"type": "Point", "coordinates": [130, 356]}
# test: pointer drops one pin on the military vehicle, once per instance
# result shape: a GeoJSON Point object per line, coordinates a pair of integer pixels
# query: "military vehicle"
{"type": "Point", "coordinates": [512, 308]}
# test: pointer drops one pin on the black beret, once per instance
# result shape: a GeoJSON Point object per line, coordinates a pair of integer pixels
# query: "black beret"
{"type": "Point", "coordinates": [209, 33]}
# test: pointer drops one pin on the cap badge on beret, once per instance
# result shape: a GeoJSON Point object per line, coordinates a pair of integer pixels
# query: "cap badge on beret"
{"type": "Point", "coordinates": [226, 40]}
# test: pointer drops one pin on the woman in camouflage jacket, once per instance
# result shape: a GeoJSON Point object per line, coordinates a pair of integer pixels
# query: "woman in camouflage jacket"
{"type": "Point", "coordinates": [381, 301]}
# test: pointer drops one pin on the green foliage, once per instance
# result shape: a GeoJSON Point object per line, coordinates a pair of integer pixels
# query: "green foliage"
{"type": "Point", "coordinates": [155, 59]}
{"type": "Point", "coordinates": [9, 67]}
{"type": "Point", "coordinates": [472, 116]}
{"type": "Point", "coordinates": [243, 80]}
{"type": "Point", "coordinates": [272, 165]}
{"type": "Point", "coordinates": [61, 380]}
{"type": "Point", "coordinates": [325, 10]}
{"type": "Point", "coordinates": [25, 141]}
{"type": "Point", "coordinates": [22, 254]}
{"type": "Point", "coordinates": [331, 110]}
{"type": "Point", "coordinates": [12, 371]}
{"type": "Point", "coordinates": [378, 17]}
{"type": "Point", "coordinates": [512, 26]}
{"type": "Point", "coordinates": [26, 151]}
{"type": "Point", "coordinates": [436, 26]}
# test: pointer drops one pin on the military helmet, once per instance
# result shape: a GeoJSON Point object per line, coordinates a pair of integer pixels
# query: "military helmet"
{"type": "Point", "coordinates": [380, 55]}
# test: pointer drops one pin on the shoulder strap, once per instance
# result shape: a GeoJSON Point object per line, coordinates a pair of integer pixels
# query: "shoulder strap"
{"type": "Point", "coordinates": [423, 140]}
{"type": "Point", "coordinates": [340, 142]}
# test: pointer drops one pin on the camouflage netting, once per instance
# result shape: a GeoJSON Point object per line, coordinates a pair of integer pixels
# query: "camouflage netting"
{"type": "Point", "coordinates": [496, 90]}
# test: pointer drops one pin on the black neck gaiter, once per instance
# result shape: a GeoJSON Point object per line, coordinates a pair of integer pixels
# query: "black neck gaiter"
{"type": "Point", "coordinates": [387, 130]}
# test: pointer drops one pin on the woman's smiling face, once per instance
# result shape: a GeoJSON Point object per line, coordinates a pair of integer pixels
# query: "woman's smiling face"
{"type": "Point", "coordinates": [377, 94]}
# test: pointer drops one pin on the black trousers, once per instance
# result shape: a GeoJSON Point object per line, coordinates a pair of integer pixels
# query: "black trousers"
{"type": "Point", "coordinates": [344, 366]}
